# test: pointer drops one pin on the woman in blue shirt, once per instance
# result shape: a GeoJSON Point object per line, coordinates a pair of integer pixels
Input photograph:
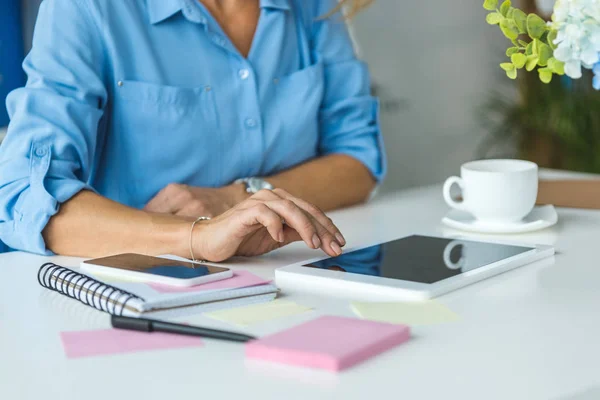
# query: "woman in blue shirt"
{"type": "Point", "coordinates": [139, 116]}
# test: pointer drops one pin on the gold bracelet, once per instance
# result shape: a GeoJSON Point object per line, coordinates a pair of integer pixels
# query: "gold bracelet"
{"type": "Point", "coordinates": [192, 235]}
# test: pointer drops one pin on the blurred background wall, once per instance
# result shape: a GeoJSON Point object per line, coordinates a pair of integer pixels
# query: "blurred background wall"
{"type": "Point", "coordinates": [30, 8]}
{"type": "Point", "coordinates": [433, 64]}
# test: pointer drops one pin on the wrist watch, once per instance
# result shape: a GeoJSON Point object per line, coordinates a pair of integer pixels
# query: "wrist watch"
{"type": "Point", "coordinates": [254, 184]}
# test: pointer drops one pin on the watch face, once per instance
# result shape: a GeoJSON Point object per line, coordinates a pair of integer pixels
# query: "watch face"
{"type": "Point", "coordinates": [257, 184]}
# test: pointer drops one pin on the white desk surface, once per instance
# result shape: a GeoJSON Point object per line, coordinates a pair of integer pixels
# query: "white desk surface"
{"type": "Point", "coordinates": [532, 333]}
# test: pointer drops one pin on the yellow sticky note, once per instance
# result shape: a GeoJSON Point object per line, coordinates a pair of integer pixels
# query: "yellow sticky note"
{"type": "Point", "coordinates": [252, 314]}
{"type": "Point", "coordinates": [417, 313]}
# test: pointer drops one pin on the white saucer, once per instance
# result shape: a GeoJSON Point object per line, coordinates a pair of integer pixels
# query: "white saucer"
{"type": "Point", "coordinates": [539, 218]}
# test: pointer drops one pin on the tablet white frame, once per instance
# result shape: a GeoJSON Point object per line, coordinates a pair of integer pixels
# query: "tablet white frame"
{"type": "Point", "coordinates": [344, 284]}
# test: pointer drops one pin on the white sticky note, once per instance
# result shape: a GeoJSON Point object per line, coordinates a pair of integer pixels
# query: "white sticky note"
{"type": "Point", "coordinates": [248, 315]}
{"type": "Point", "coordinates": [113, 279]}
{"type": "Point", "coordinates": [410, 313]}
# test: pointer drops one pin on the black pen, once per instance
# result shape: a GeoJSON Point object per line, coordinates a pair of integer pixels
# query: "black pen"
{"type": "Point", "coordinates": [151, 325]}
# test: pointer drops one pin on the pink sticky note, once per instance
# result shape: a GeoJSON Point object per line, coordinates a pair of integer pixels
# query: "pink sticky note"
{"type": "Point", "coordinates": [115, 341]}
{"type": "Point", "coordinates": [240, 279]}
{"type": "Point", "coordinates": [333, 343]}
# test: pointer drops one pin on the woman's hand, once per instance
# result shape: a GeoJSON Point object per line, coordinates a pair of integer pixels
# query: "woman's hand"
{"type": "Point", "coordinates": [189, 201]}
{"type": "Point", "coordinates": [264, 222]}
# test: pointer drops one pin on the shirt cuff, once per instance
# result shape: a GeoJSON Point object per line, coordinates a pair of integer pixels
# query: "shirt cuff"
{"type": "Point", "coordinates": [36, 205]}
{"type": "Point", "coordinates": [363, 140]}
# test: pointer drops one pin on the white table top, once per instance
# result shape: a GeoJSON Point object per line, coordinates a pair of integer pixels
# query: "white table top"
{"type": "Point", "coordinates": [532, 333]}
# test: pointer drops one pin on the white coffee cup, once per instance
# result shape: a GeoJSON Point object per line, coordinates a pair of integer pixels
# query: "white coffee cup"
{"type": "Point", "coordinates": [495, 191]}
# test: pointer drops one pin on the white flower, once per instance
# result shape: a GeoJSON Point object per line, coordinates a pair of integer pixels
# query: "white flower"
{"type": "Point", "coordinates": [577, 23]}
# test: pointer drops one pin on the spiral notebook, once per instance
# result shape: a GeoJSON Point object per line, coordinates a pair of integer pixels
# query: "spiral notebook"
{"type": "Point", "coordinates": [134, 299]}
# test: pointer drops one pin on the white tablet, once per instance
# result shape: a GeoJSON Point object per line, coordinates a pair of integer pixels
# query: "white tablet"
{"type": "Point", "coordinates": [412, 268]}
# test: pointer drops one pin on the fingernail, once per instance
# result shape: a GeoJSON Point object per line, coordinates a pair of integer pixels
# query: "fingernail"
{"type": "Point", "coordinates": [340, 239]}
{"type": "Point", "coordinates": [316, 241]}
{"type": "Point", "coordinates": [281, 237]}
{"type": "Point", "coordinates": [336, 248]}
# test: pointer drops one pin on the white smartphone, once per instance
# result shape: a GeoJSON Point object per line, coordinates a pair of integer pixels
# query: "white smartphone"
{"type": "Point", "coordinates": [155, 270]}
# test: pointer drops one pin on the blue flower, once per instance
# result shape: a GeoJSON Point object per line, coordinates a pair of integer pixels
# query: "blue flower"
{"type": "Point", "coordinates": [577, 26]}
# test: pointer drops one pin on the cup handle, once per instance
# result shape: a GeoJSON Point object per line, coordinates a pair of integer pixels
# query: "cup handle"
{"type": "Point", "coordinates": [447, 250]}
{"type": "Point", "coordinates": [447, 186]}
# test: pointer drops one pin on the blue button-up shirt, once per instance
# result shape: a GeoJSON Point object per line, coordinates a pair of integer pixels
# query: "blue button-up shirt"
{"type": "Point", "coordinates": [125, 97]}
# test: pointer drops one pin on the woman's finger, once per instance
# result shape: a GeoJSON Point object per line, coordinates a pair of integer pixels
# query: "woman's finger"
{"type": "Point", "coordinates": [329, 243]}
{"type": "Point", "coordinates": [266, 217]}
{"type": "Point", "coordinates": [313, 233]}
{"type": "Point", "coordinates": [265, 195]}
{"type": "Point", "coordinates": [316, 213]}
{"type": "Point", "coordinates": [259, 197]}
{"type": "Point", "coordinates": [297, 219]}
{"type": "Point", "coordinates": [290, 235]}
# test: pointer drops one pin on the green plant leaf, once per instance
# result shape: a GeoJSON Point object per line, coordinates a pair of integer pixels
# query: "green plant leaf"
{"type": "Point", "coordinates": [551, 38]}
{"type": "Point", "coordinates": [545, 75]}
{"type": "Point", "coordinates": [536, 46]}
{"type": "Point", "coordinates": [514, 42]}
{"type": "Point", "coordinates": [523, 43]}
{"type": "Point", "coordinates": [505, 7]}
{"type": "Point", "coordinates": [518, 60]}
{"type": "Point", "coordinates": [509, 28]}
{"type": "Point", "coordinates": [529, 49]}
{"type": "Point", "coordinates": [511, 50]}
{"type": "Point", "coordinates": [510, 13]}
{"type": "Point", "coordinates": [494, 18]}
{"type": "Point", "coordinates": [521, 20]}
{"type": "Point", "coordinates": [490, 4]}
{"type": "Point", "coordinates": [536, 26]}
{"type": "Point", "coordinates": [545, 52]}
{"type": "Point", "coordinates": [507, 66]}
{"type": "Point", "coordinates": [512, 74]}
{"type": "Point", "coordinates": [558, 67]}
{"type": "Point", "coordinates": [531, 62]}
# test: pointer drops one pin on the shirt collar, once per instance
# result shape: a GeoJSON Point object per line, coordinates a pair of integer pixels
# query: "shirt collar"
{"type": "Point", "coordinates": [159, 10]}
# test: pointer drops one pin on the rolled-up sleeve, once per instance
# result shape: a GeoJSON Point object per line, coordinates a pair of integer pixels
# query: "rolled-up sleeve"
{"type": "Point", "coordinates": [47, 154]}
{"type": "Point", "coordinates": [349, 115]}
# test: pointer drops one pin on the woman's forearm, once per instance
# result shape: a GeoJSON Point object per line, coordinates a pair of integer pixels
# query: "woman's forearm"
{"type": "Point", "coordinates": [570, 193]}
{"type": "Point", "coordinates": [89, 225]}
{"type": "Point", "coordinates": [328, 182]}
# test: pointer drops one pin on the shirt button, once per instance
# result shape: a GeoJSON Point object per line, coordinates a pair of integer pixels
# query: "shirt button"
{"type": "Point", "coordinates": [40, 151]}
{"type": "Point", "coordinates": [250, 122]}
{"type": "Point", "coordinates": [219, 40]}
{"type": "Point", "coordinates": [244, 73]}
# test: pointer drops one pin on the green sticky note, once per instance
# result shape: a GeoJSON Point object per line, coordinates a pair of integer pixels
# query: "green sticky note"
{"type": "Point", "coordinates": [410, 313]}
{"type": "Point", "coordinates": [248, 315]}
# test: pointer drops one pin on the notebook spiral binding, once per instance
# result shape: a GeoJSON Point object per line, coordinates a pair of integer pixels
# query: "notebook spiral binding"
{"type": "Point", "coordinates": [86, 289]}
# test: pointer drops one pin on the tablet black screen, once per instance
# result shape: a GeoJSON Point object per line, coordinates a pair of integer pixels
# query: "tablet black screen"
{"type": "Point", "coordinates": [421, 259]}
